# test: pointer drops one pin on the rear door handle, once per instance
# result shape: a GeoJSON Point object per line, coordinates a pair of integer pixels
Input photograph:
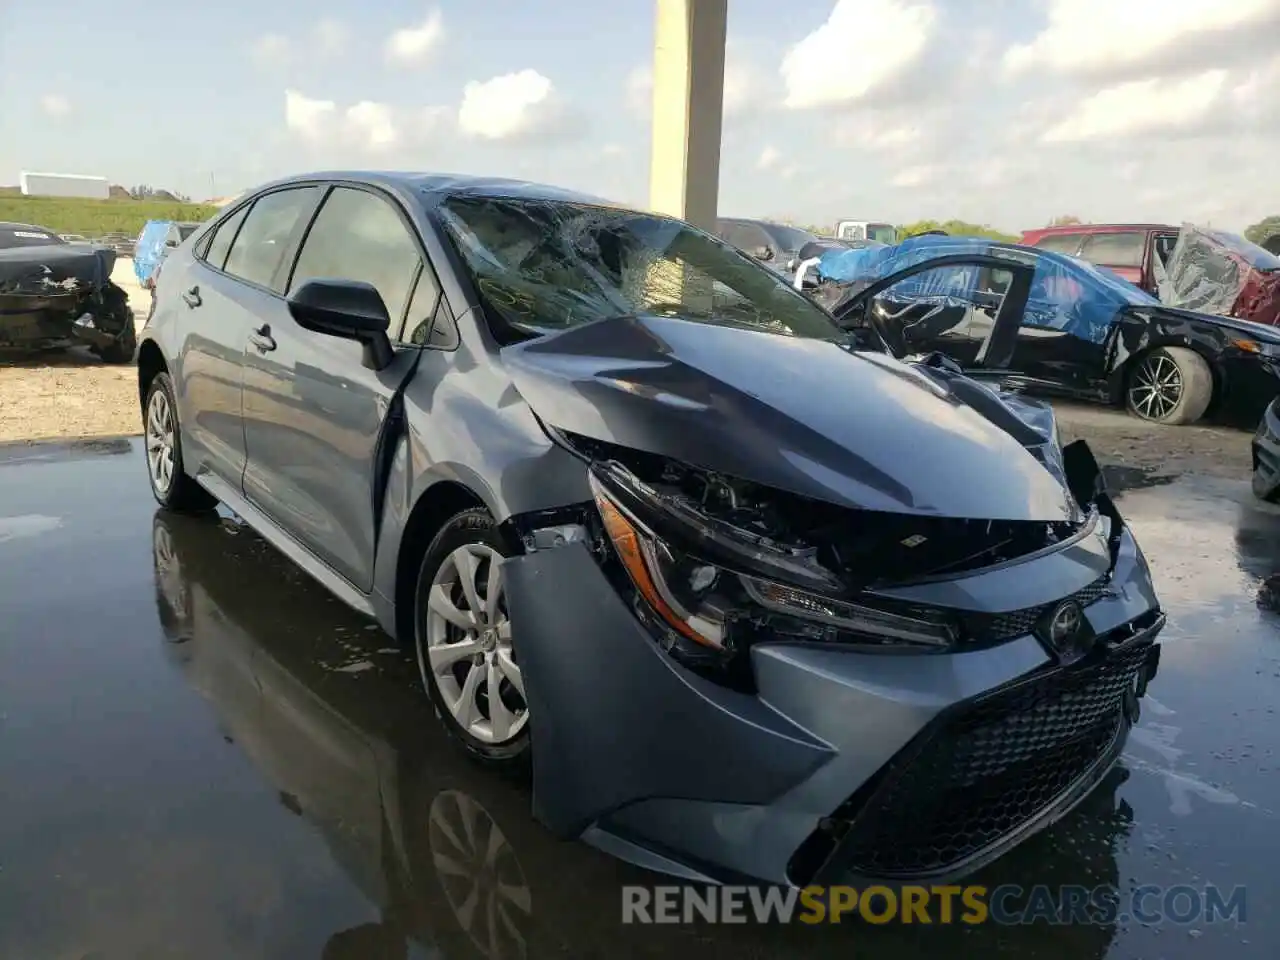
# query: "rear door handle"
{"type": "Point", "coordinates": [192, 297]}
{"type": "Point", "coordinates": [262, 339]}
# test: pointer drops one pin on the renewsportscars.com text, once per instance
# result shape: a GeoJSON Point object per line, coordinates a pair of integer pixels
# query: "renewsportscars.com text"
{"type": "Point", "coordinates": [971, 905]}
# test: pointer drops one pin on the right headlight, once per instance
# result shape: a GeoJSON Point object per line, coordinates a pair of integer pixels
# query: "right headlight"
{"type": "Point", "coordinates": [715, 585]}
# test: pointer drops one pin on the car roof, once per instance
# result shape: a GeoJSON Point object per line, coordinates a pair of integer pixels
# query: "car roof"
{"type": "Point", "coordinates": [436, 187]}
{"type": "Point", "coordinates": [1098, 228]}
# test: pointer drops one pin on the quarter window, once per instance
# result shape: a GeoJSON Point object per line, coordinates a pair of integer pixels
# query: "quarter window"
{"type": "Point", "coordinates": [359, 236]}
{"type": "Point", "coordinates": [261, 245]}
{"type": "Point", "coordinates": [422, 310]}
{"type": "Point", "coordinates": [1114, 249]}
{"type": "Point", "coordinates": [1059, 243]}
{"type": "Point", "coordinates": [222, 236]}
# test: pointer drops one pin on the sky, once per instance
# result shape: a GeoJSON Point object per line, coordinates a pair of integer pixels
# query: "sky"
{"type": "Point", "coordinates": [1005, 112]}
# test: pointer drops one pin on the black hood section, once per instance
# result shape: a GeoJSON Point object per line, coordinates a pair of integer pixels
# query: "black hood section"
{"type": "Point", "coordinates": [805, 416]}
{"type": "Point", "coordinates": [54, 270]}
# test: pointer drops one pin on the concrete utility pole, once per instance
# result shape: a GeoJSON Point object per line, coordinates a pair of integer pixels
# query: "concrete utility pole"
{"type": "Point", "coordinates": [688, 100]}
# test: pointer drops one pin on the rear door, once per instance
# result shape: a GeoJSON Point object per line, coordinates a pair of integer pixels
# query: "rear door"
{"type": "Point", "coordinates": [313, 413]}
{"type": "Point", "coordinates": [221, 297]}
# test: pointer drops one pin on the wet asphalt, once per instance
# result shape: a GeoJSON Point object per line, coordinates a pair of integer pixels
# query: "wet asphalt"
{"type": "Point", "coordinates": [203, 755]}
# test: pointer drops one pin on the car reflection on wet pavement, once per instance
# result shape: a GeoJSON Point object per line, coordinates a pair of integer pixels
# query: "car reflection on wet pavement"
{"type": "Point", "coordinates": [204, 755]}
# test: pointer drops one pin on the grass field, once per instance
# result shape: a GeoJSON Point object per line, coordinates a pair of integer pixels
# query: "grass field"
{"type": "Point", "coordinates": [93, 218]}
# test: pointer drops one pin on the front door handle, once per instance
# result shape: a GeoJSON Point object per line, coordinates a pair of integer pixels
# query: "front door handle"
{"type": "Point", "coordinates": [262, 339]}
{"type": "Point", "coordinates": [192, 297]}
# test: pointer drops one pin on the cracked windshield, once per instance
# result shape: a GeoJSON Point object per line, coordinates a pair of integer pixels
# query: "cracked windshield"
{"type": "Point", "coordinates": [651, 479]}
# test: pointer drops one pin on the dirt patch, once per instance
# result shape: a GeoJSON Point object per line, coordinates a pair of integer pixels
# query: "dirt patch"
{"type": "Point", "coordinates": [71, 394]}
{"type": "Point", "coordinates": [1120, 440]}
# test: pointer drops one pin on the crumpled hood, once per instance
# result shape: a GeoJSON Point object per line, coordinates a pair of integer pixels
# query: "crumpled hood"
{"type": "Point", "coordinates": [805, 416]}
{"type": "Point", "coordinates": [54, 270]}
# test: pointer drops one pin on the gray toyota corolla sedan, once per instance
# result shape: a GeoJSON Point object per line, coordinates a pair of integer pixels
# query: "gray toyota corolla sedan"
{"type": "Point", "coordinates": [750, 602]}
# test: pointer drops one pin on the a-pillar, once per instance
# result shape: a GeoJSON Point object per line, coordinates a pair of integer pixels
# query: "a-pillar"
{"type": "Point", "coordinates": [688, 100]}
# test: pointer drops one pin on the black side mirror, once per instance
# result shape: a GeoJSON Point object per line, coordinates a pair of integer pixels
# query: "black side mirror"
{"type": "Point", "coordinates": [349, 309]}
{"type": "Point", "coordinates": [763, 253]}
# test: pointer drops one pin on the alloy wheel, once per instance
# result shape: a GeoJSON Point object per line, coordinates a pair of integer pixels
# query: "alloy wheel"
{"type": "Point", "coordinates": [481, 876]}
{"type": "Point", "coordinates": [468, 648]}
{"type": "Point", "coordinates": [1156, 387]}
{"type": "Point", "coordinates": [160, 441]}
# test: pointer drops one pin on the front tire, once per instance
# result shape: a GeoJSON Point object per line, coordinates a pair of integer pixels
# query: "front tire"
{"type": "Point", "coordinates": [170, 485]}
{"type": "Point", "coordinates": [124, 347]}
{"type": "Point", "coordinates": [1171, 385]}
{"type": "Point", "coordinates": [463, 638]}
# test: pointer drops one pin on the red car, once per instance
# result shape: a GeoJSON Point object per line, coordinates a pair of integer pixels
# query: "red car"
{"type": "Point", "coordinates": [1195, 268]}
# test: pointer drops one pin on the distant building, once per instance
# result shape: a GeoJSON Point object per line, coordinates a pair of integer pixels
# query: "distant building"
{"type": "Point", "coordinates": [64, 185]}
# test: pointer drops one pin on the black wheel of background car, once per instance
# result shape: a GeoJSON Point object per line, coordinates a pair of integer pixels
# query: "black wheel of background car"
{"type": "Point", "coordinates": [169, 482]}
{"type": "Point", "coordinates": [123, 350]}
{"type": "Point", "coordinates": [462, 636]}
{"type": "Point", "coordinates": [1170, 385]}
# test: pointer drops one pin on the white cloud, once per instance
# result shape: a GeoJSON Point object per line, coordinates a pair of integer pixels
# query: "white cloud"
{"type": "Point", "coordinates": [330, 37]}
{"type": "Point", "coordinates": [308, 118]}
{"type": "Point", "coordinates": [916, 176]}
{"type": "Point", "coordinates": [769, 158]}
{"type": "Point", "coordinates": [372, 124]}
{"type": "Point", "coordinates": [863, 46]}
{"type": "Point", "coordinates": [55, 105]}
{"type": "Point", "coordinates": [513, 106]}
{"type": "Point", "coordinates": [1141, 106]}
{"type": "Point", "coordinates": [414, 45]}
{"type": "Point", "coordinates": [1094, 36]}
{"type": "Point", "coordinates": [271, 50]}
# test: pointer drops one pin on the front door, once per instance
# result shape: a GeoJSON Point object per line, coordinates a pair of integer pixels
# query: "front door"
{"type": "Point", "coordinates": [313, 413]}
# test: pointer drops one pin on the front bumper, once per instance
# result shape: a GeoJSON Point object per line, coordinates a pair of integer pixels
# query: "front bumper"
{"type": "Point", "coordinates": [843, 763]}
{"type": "Point", "coordinates": [1265, 451]}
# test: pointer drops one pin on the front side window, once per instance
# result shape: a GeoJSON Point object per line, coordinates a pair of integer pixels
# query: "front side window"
{"type": "Point", "coordinates": [358, 235]}
{"type": "Point", "coordinates": [945, 303]}
{"type": "Point", "coordinates": [747, 237]}
{"type": "Point", "coordinates": [882, 232]}
{"type": "Point", "coordinates": [542, 266]}
{"type": "Point", "coordinates": [260, 247]}
{"type": "Point", "coordinates": [788, 239]}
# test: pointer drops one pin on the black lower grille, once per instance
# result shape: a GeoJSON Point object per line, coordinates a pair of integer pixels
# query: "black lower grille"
{"type": "Point", "coordinates": [984, 771]}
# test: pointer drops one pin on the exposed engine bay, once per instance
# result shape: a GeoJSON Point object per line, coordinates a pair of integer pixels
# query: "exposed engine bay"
{"type": "Point", "coordinates": [861, 550]}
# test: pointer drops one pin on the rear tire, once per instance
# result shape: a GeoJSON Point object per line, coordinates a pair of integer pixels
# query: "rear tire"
{"type": "Point", "coordinates": [170, 485]}
{"type": "Point", "coordinates": [462, 635]}
{"type": "Point", "coordinates": [1171, 385]}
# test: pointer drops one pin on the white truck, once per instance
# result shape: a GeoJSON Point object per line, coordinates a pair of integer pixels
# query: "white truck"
{"type": "Point", "coordinates": [64, 185]}
{"type": "Point", "coordinates": [873, 230]}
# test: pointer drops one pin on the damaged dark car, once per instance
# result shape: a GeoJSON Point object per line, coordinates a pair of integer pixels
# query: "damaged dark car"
{"type": "Point", "coordinates": [1048, 323]}
{"type": "Point", "coordinates": [746, 601]}
{"type": "Point", "coordinates": [55, 294]}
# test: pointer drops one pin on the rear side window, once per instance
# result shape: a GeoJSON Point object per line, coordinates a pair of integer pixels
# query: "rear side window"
{"type": "Point", "coordinates": [260, 246]}
{"type": "Point", "coordinates": [1059, 243]}
{"type": "Point", "coordinates": [222, 236]}
{"type": "Point", "coordinates": [1115, 249]}
{"type": "Point", "coordinates": [360, 236]}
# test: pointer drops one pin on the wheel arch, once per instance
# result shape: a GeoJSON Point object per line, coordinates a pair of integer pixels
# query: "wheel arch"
{"type": "Point", "coordinates": [433, 508]}
{"type": "Point", "coordinates": [1120, 379]}
{"type": "Point", "coordinates": [150, 363]}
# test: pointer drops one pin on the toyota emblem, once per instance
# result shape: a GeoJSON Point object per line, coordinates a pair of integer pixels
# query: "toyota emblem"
{"type": "Point", "coordinates": [1065, 624]}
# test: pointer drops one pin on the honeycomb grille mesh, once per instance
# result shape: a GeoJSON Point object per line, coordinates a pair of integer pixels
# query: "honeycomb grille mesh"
{"type": "Point", "coordinates": [989, 770]}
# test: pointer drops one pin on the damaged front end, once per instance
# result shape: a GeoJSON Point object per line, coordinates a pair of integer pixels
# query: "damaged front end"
{"type": "Point", "coordinates": [60, 296]}
{"type": "Point", "coordinates": [731, 675]}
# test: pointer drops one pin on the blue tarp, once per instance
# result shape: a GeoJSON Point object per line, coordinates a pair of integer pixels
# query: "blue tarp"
{"type": "Point", "coordinates": [149, 250]}
{"type": "Point", "coordinates": [1067, 294]}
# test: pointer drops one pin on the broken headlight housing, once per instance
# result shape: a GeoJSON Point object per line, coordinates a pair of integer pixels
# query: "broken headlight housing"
{"type": "Point", "coordinates": [710, 587]}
